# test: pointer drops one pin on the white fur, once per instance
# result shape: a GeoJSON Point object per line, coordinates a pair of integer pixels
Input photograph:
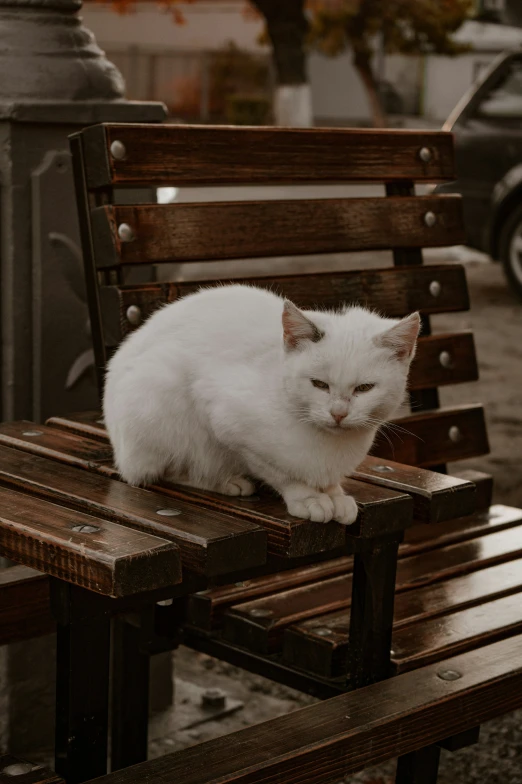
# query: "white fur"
{"type": "Point", "coordinates": [207, 393]}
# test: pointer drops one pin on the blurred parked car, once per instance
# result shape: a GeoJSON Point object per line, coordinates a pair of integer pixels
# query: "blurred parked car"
{"type": "Point", "coordinates": [487, 124]}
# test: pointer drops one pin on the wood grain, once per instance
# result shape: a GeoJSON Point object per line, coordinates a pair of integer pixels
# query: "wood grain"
{"type": "Point", "coordinates": [111, 559]}
{"type": "Point", "coordinates": [320, 644]}
{"type": "Point", "coordinates": [329, 740]}
{"type": "Point", "coordinates": [197, 155]}
{"type": "Point", "coordinates": [210, 543]}
{"type": "Point", "coordinates": [249, 229]}
{"type": "Point", "coordinates": [393, 291]}
{"type": "Point", "coordinates": [425, 439]}
{"type": "Point", "coordinates": [429, 368]}
{"type": "Point", "coordinates": [24, 604]}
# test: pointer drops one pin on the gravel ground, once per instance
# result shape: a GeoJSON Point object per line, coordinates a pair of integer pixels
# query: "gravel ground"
{"type": "Point", "coordinates": [496, 319]}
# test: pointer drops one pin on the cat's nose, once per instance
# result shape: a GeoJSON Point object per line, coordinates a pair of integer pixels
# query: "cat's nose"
{"type": "Point", "coordinates": [339, 417]}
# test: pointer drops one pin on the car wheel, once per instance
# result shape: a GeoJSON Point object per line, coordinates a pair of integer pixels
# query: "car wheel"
{"type": "Point", "coordinates": [510, 247]}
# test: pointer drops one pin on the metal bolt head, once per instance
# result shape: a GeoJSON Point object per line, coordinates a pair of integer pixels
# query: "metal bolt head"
{"type": "Point", "coordinates": [18, 769]}
{"type": "Point", "coordinates": [85, 529]}
{"type": "Point", "coordinates": [133, 315]}
{"type": "Point", "coordinates": [445, 359]}
{"type": "Point", "coordinates": [118, 150]}
{"type": "Point", "coordinates": [165, 603]}
{"type": "Point", "coordinates": [449, 675]}
{"type": "Point", "coordinates": [382, 469]}
{"type": "Point", "coordinates": [32, 433]}
{"type": "Point", "coordinates": [213, 698]}
{"type": "Point", "coordinates": [435, 288]}
{"type": "Point", "coordinates": [125, 233]}
{"type": "Point", "coordinates": [323, 632]}
{"type": "Point", "coordinates": [454, 434]}
{"type": "Point", "coordinates": [260, 612]}
{"type": "Point", "coordinates": [425, 154]}
{"type": "Point", "coordinates": [168, 512]}
{"type": "Point", "coordinates": [430, 219]}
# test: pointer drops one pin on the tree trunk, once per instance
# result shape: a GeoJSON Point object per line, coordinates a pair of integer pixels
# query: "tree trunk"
{"type": "Point", "coordinates": [363, 67]}
{"type": "Point", "coordinates": [287, 28]}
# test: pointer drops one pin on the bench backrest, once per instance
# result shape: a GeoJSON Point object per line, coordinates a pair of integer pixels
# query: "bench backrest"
{"type": "Point", "coordinates": [113, 162]}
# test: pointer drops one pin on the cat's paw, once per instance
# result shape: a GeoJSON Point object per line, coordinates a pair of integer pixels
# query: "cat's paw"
{"type": "Point", "coordinates": [318, 507]}
{"type": "Point", "coordinates": [238, 485]}
{"type": "Point", "coordinates": [345, 509]}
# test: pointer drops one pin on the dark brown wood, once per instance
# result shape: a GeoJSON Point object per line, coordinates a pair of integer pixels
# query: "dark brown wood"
{"type": "Point", "coordinates": [394, 292]}
{"type": "Point", "coordinates": [241, 230]}
{"type": "Point", "coordinates": [25, 772]}
{"type": "Point", "coordinates": [436, 497]}
{"type": "Point", "coordinates": [197, 155]}
{"type": "Point", "coordinates": [430, 438]}
{"type": "Point", "coordinates": [82, 423]}
{"type": "Point", "coordinates": [329, 740]}
{"type": "Point", "coordinates": [419, 767]}
{"type": "Point", "coordinates": [404, 256]}
{"type": "Point", "coordinates": [439, 638]}
{"type": "Point", "coordinates": [24, 605]}
{"type": "Point", "coordinates": [210, 543]}
{"type": "Point", "coordinates": [483, 486]}
{"type": "Point", "coordinates": [429, 367]}
{"type": "Point", "coordinates": [320, 644]}
{"type": "Point", "coordinates": [206, 608]}
{"type": "Point", "coordinates": [111, 559]}
{"type": "Point", "coordinates": [462, 740]}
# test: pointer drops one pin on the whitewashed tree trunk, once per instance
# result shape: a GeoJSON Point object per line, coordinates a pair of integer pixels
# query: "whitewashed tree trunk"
{"type": "Point", "coordinates": [293, 105]}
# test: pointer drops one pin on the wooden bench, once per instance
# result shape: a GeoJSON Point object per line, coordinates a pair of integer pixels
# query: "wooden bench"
{"type": "Point", "coordinates": [14, 769]}
{"type": "Point", "coordinates": [227, 552]}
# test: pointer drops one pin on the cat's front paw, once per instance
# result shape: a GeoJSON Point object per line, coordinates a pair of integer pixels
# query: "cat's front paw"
{"type": "Point", "coordinates": [345, 509]}
{"type": "Point", "coordinates": [318, 507]}
{"type": "Point", "coordinates": [238, 485]}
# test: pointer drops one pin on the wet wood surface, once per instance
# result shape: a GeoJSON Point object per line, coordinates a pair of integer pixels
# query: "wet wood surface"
{"type": "Point", "coordinates": [179, 155]}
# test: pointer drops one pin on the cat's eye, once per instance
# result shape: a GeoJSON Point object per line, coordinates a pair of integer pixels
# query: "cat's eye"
{"type": "Point", "coordinates": [364, 387]}
{"type": "Point", "coordinates": [320, 384]}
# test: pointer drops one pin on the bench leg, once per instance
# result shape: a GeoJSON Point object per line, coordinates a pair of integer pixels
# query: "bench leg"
{"type": "Point", "coordinates": [371, 614]}
{"type": "Point", "coordinates": [130, 688]}
{"type": "Point", "coordinates": [82, 681]}
{"type": "Point", "coordinates": [419, 767]}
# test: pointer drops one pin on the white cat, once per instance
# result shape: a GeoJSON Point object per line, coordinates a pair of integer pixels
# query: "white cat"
{"type": "Point", "coordinates": [234, 382]}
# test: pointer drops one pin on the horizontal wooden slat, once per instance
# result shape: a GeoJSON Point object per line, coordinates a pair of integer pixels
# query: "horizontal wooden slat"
{"type": "Point", "coordinates": [436, 497]}
{"type": "Point", "coordinates": [393, 291]}
{"type": "Point", "coordinates": [109, 559]}
{"type": "Point", "coordinates": [262, 229]}
{"type": "Point", "coordinates": [436, 639]}
{"type": "Point", "coordinates": [258, 625]}
{"type": "Point", "coordinates": [321, 644]}
{"type": "Point", "coordinates": [329, 740]}
{"type": "Point", "coordinates": [210, 543]}
{"type": "Point", "coordinates": [24, 604]}
{"type": "Point", "coordinates": [380, 510]}
{"type": "Point", "coordinates": [197, 155]}
{"type": "Point", "coordinates": [443, 359]}
{"type": "Point", "coordinates": [433, 437]}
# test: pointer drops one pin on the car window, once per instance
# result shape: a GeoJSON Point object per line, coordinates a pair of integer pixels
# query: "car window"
{"type": "Point", "coordinates": [504, 100]}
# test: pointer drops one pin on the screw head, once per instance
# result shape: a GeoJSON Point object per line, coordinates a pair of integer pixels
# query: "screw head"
{"type": "Point", "coordinates": [85, 529]}
{"type": "Point", "coordinates": [168, 512]}
{"type": "Point", "coordinates": [383, 469]}
{"type": "Point", "coordinates": [430, 219]}
{"type": "Point", "coordinates": [32, 433]}
{"type": "Point", "coordinates": [133, 314]}
{"type": "Point", "coordinates": [213, 698]}
{"type": "Point", "coordinates": [18, 769]}
{"type": "Point", "coordinates": [435, 288]}
{"type": "Point", "coordinates": [323, 632]}
{"type": "Point", "coordinates": [165, 603]}
{"type": "Point", "coordinates": [449, 675]}
{"type": "Point", "coordinates": [425, 154]}
{"type": "Point", "coordinates": [445, 359]}
{"type": "Point", "coordinates": [125, 233]}
{"type": "Point", "coordinates": [118, 150]}
{"type": "Point", "coordinates": [260, 612]}
{"type": "Point", "coordinates": [454, 433]}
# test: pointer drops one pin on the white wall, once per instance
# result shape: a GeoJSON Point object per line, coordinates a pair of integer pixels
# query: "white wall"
{"type": "Point", "coordinates": [208, 26]}
{"type": "Point", "coordinates": [447, 79]}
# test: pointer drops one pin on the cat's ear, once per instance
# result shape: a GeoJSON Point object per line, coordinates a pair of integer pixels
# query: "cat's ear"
{"type": "Point", "coordinates": [297, 328]}
{"type": "Point", "coordinates": [402, 337]}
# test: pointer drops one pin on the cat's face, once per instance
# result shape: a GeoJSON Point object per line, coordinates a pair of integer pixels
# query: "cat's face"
{"type": "Point", "coordinates": [347, 370]}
